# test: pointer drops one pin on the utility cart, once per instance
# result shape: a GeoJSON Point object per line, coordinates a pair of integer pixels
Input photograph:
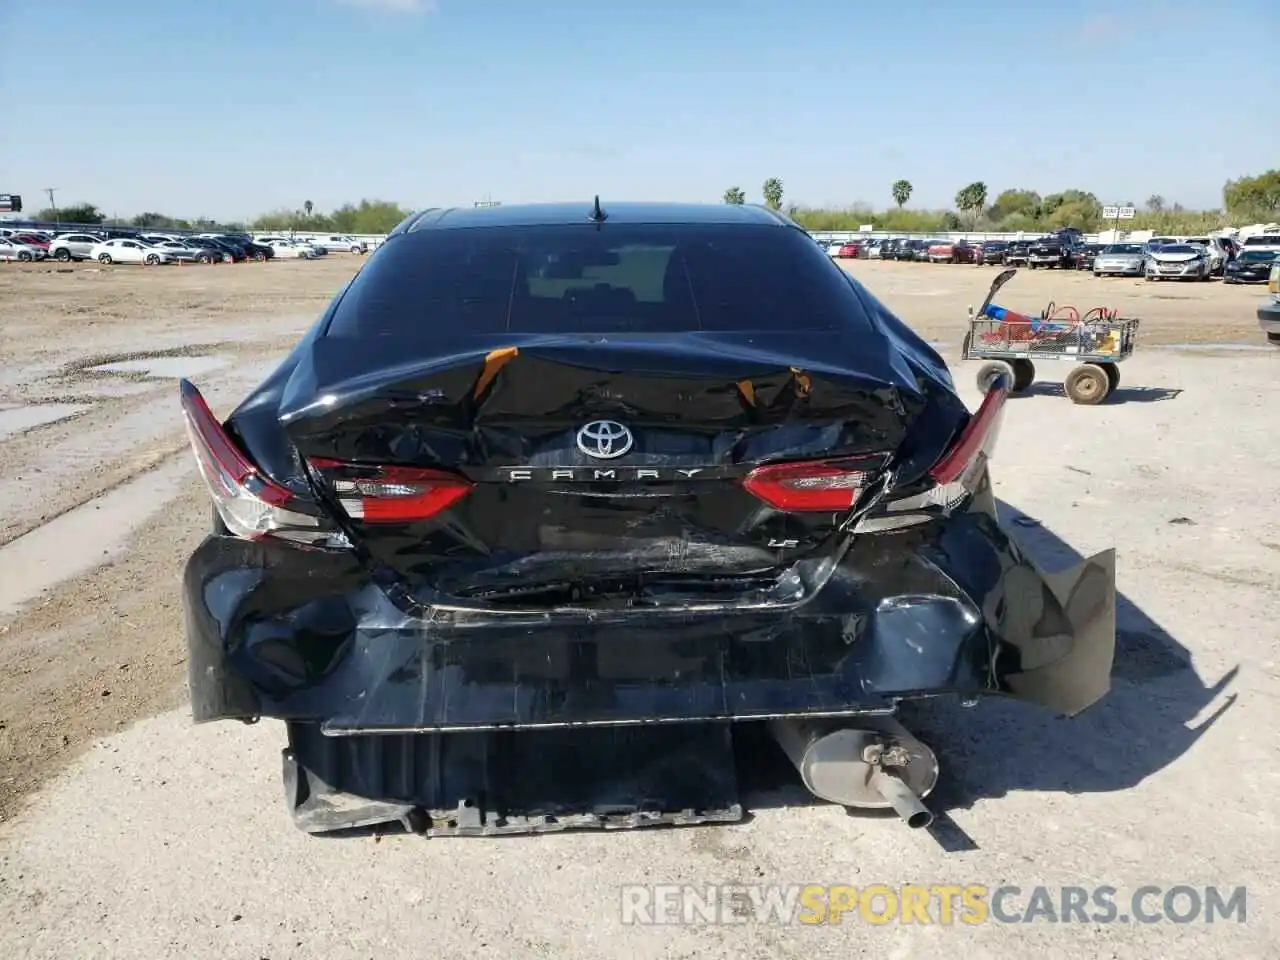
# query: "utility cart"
{"type": "Point", "coordinates": [1011, 343]}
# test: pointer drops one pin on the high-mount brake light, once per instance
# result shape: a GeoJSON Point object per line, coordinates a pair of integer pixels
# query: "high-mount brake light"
{"type": "Point", "coordinates": [251, 505]}
{"type": "Point", "coordinates": [382, 493]}
{"type": "Point", "coordinates": [810, 485]}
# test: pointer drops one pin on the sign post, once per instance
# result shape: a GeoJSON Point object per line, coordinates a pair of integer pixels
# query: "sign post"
{"type": "Point", "coordinates": [10, 203]}
{"type": "Point", "coordinates": [1116, 214]}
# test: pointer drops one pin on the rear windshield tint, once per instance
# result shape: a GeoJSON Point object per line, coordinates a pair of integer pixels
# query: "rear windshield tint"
{"type": "Point", "coordinates": [580, 278]}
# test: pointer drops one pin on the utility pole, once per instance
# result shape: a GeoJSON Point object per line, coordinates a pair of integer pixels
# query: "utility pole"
{"type": "Point", "coordinates": [52, 203]}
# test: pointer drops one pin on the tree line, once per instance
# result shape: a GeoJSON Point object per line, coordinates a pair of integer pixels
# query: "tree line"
{"type": "Point", "coordinates": [1248, 199]}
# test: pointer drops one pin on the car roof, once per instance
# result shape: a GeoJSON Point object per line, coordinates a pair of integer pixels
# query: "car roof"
{"type": "Point", "coordinates": [556, 214]}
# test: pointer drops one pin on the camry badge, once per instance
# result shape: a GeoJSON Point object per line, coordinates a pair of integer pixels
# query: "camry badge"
{"type": "Point", "coordinates": [604, 439]}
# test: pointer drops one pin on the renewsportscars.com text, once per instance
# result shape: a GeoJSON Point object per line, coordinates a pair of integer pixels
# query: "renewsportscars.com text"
{"type": "Point", "coordinates": [969, 904]}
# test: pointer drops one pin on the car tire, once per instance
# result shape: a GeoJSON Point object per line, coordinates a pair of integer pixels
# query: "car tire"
{"type": "Point", "coordinates": [991, 371]}
{"type": "Point", "coordinates": [1087, 385]}
{"type": "Point", "coordinates": [152, 260]}
{"type": "Point", "coordinates": [1112, 371]}
{"type": "Point", "coordinates": [1097, 274]}
{"type": "Point", "coordinates": [1273, 339]}
{"type": "Point", "coordinates": [23, 255]}
{"type": "Point", "coordinates": [1024, 375]}
{"type": "Point", "coordinates": [104, 258]}
{"type": "Point", "coordinates": [63, 255]}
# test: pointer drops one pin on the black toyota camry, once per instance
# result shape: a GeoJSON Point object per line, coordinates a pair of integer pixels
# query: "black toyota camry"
{"type": "Point", "coordinates": [554, 502]}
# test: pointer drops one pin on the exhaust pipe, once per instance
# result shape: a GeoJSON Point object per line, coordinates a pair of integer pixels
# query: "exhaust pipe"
{"type": "Point", "coordinates": [875, 765]}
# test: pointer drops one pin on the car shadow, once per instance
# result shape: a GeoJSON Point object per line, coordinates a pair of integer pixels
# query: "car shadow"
{"type": "Point", "coordinates": [1045, 388]}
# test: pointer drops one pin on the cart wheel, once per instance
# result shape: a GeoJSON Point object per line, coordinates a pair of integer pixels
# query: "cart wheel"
{"type": "Point", "coordinates": [991, 371]}
{"type": "Point", "coordinates": [1113, 375]}
{"type": "Point", "coordinates": [1024, 374]}
{"type": "Point", "coordinates": [1088, 384]}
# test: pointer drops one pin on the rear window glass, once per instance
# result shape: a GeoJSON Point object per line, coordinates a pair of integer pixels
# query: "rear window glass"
{"type": "Point", "coordinates": [580, 278]}
{"type": "Point", "coordinates": [1263, 240]}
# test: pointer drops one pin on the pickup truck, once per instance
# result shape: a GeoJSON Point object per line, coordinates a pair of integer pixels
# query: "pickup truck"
{"type": "Point", "coordinates": [1052, 252]}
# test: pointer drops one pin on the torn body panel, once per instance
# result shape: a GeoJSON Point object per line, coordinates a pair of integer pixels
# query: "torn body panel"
{"type": "Point", "coordinates": [947, 608]}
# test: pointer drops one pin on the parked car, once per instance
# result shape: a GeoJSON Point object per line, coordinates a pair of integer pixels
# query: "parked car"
{"type": "Point", "coordinates": [889, 249]}
{"type": "Point", "coordinates": [125, 250]}
{"type": "Point", "coordinates": [1269, 309]}
{"type": "Point", "coordinates": [73, 246]}
{"type": "Point", "coordinates": [849, 251]}
{"type": "Point", "coordinates": [992, 251]}
{"type": "Point", "coordinates": [340, 243]}
{"type": "Point", "coordinates": [183, 251]}
{"type": "Point", "coordinates": [219, 251]}
{"type": "Point", "coordinates": [1177, 261]}
{"type": "Point", "coordinates": [12, 249]}
{"type": "Point", "coordinates": [832, 247]}
{"type": "Point", "coordinates": [38, 240]}
{"type": "Point", "coordinates": [1120, 260]}
{"type": "Point", "coordinates": [1218, 254]}
{"type": "Point", "coordinates": [1018, 253]}
{"type": "Point", "coordinates": [921, 252]}
{"type": "Point", "coordinates": [1252, 266]}
{"type": "Point", "coordinates": [243, 245]}
{"type": "Point", "coordinates": [1261, 241]}
{"type": "Point", "coordinates": [288, 250]}
{"type": "Point", "coordinates": [458, 641]}
{"type": "Point", "coordinates": [1085, 255]}
{"type": "Point", "coordinates": [1050, 252]}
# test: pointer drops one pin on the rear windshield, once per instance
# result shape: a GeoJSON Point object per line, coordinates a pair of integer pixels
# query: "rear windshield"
{"type": "Point", "coordinates": [1264, 240]}
{"type": "Point", "coordinates": [580, 278]}
{"type": "Point", "coordinates": [1258, 256]}
{"type": "Point", "coordinates": [1124, 248]}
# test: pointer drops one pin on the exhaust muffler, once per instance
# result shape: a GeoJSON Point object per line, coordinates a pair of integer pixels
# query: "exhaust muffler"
{"type": "Point", "coordinates": [875, 765]}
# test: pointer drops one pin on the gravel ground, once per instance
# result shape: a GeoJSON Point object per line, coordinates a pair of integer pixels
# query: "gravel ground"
{"type": "Point", "coordinates": [130, 833]}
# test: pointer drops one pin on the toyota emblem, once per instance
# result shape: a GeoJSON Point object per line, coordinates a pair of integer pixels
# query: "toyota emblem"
{"type": "Point", "coordinates": [604, 439]}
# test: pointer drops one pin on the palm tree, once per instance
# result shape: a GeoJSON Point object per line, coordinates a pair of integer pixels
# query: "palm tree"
{"type": "Point", "coordinates": [973, 198]}
{"type": "Point", "coordinates": [308, 207]}
{"type": "Point", "coordinates": [772, 191]}
{"type": "Point", "coordinates": [1155, 203]}
{"type": "Point", "coordinates": [901, 192]}
{"type": "Point", "coordinates": [735, 195]}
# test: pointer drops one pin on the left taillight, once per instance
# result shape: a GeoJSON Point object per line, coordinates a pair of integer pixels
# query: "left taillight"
{"type": "Point", "coordinates": [810, 486]}
{"type": "Point", "coordinates": [251, 505]}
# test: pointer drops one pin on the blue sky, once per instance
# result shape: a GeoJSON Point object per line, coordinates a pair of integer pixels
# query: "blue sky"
{"type": "Point", "coordinates": [230, 107]}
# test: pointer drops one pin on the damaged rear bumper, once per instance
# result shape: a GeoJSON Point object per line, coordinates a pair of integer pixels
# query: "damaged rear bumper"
{"type": "Point", "coordinates": [953, 607]}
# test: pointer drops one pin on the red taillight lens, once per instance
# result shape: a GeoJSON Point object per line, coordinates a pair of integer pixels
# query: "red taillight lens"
{"type": "Point", "coordinates": [976, 442]}
{"type": "Point", "coordinates": [379, 493]}
{"type": "Point", "coordinates": [810, 485]}
{"type": "Point", "coordinates": [250, 504]}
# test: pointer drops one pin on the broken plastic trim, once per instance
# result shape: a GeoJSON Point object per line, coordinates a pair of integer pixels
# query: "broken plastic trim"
{"type": "Point", "coordinates": [250, 505]}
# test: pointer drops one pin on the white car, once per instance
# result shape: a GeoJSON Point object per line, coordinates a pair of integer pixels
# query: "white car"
{"type": "Point", "coordinates": [833, 247]}
{"type": "Point", "coordinates": [287, 249]}
{"type": "Point", "coordinates": [1177, 261]}
{"type": "Point", "coordinates": [1262, 241]}
{"type": "Point", "coordinates": [125, 250]}
{"type": "Point", "coordinates": [1218, 255]}
{"type": "Point", "coordinates": [340, 243]}
{"type": "Point", "coordinates": [13, 250]}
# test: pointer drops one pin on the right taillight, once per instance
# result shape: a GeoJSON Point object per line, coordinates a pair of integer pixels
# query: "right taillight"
{"type": "Point", "coordinates": [251, 505]}
{"type": "Point", "coordinates": [386, 493]}
{"type": "Point", "coordinates": [954, 478]}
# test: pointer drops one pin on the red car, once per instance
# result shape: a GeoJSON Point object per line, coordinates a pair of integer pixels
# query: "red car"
{"type": "Point", "coordinates": [31, 240]}
{"type": "Point", "coordinates": [850, 251]}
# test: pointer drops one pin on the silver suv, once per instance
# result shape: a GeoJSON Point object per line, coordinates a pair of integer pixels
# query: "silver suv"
{"type": "Point", "coordinates": [73, 246]}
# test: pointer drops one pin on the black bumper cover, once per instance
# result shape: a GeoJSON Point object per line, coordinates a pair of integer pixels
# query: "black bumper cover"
{"type": "Point", "coordinates": [951, 608]}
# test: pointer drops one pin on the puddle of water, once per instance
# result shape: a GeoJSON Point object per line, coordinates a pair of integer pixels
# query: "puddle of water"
{"type": "Point", "coordinates": [1247, 347]}
{"type": "Point", "coordinates": [15, 420]}
{"type": "Point", "coordinates": [86, 537]}
{"type": "Point", "coordinates": [165, 366]}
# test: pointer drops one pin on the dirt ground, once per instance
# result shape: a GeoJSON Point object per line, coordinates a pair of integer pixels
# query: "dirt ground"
{"type": "Point", "coordinates": [99, 509]}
